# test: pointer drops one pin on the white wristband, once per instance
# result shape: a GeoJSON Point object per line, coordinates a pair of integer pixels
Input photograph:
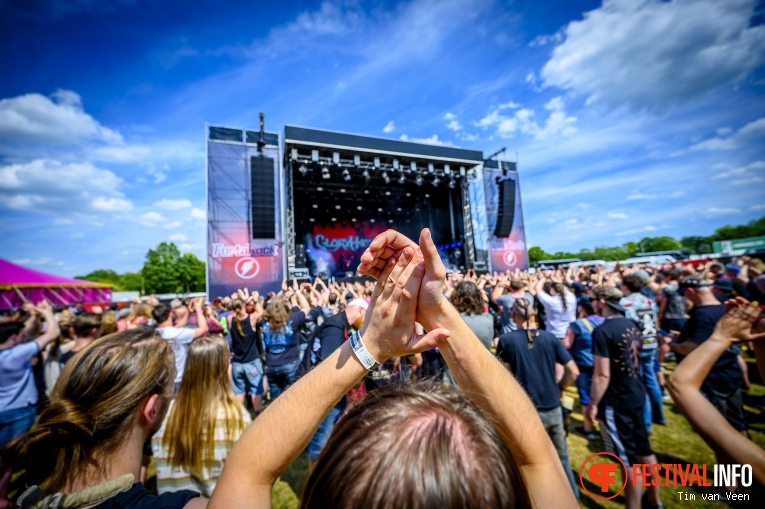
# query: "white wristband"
{"type": "Point", "coordinates": [361, 352]}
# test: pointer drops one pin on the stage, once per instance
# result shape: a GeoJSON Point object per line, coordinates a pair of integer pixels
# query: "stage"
{"type": "Point", "coordinates": [308, 202]}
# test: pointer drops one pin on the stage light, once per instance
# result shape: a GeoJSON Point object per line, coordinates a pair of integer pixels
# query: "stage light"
{"type": "Point", "coordinates": [462, 171]}
{"type": "Point", "coordinates": [353, 219]}
{"type": "Point", "coordinates": [325, 173]}
{"type": "Point", "coordinates": [427, 195]}
{"type": "Point", "coordinates": [452, 184]}
{"type": "Point", "coordinates": [395, 164]}
{"type": "Point", "coordinates": [371, 220]}
{"type": "Point", "coordinates": [303, 170]}
{"type": "Point", "coordinates": [418, 179]}
{"type": "Point", "coordinates": [336, 157]}
{"type": "Point", "coordinates": [314, 155]}
{"type": "Point", "coordinates": [316, 206]}
{"type": "Point", "coordinates": [342, 189]}
{"type": "Point", "coordinates": [357, 160]}
{"type": "Point", "coordinates": [320, 188]}
{"type": "Point", "coordinates": [398, 209]}
{"type": "Point", "coordinates": [471, 173]}
{"type": "Point", "coordinates": [436, 181]}
{"type": "Point", "coordinates": [409, 194]}
{"type": "Point", "coordinates": [385, 177]}
{"type": "Point", "coordinates": [366, 175]}
{"type": "Point", "coordinates": [401, 178]}
{"type": "Point", "coordinates": [294, 154]}
{"type": "Point", "coordinates": [312, 220]}
{"type": "Point", "coordinates": [447, 170]}
{"type": "Point", "coordinates": [379, 209]}
{"type": "Point", "coordinates": [366, 191]}
{"type": "Point", "coordinates": [387, 193]}
{"type": "Point", "coordinates": [359, 207]}
{"type": "Point", "coordinates": [334, 219]}
{"type": "Point", "coordinates": [390, 220]}
{"type": "Point", "coordinates": [346, 176]}
{"type": "Point", "coordinates": [413, 166]}
{"type": "Point", "coordinates": [337, 207]}
{"type": "Point", "coordinates": [430, 168]}
{"type": "Point", "coordinates": [377, 162]}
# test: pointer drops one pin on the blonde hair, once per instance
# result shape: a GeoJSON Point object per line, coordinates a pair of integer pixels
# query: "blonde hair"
{"type": "Point", "coordinates": [277, 314]}
{"type": "Point", "coordinates": [141, 310]}
{"type": "Point", "coordinates": [205, 389]}
{"type": "Point", "coordinates": [525, 310]}
{"type": "Point", "coordinates": [239, 315]}
{"type": "Point", "coordinates": [109, 323]}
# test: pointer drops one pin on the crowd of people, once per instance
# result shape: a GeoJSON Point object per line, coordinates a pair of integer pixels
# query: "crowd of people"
{"type": "Point", "coordinates": [411, 386]}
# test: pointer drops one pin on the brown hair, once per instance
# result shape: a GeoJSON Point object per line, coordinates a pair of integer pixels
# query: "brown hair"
{"type": "Point", "coordinates": [525, 310]}
{"type": "Point", "coordinates": [205, 390]}
{"type": "Point", "coordinates": [109, 323]}
{"type": "Point", "coordinates": [93, 408]}
{"type": "Point", "coordinates": [141, 310]}
{"type": "Point", "coordinates": [516, 284]}
{"type": "Point", "coordinates": [560, 289]}
{"type": "Point", "coordinates": [239, 315]}
{"type": "Point", "coordinates": [467, 298]}
{"type": "Point", "coordinates": [277, 314]}
{"type": "Point", "coordinates": [415, 447]}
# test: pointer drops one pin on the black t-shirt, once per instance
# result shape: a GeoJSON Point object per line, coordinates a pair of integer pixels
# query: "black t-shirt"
{"type": "Point", "coordinates": [297, 321]}
{"type": "Point", "coordinates": [620, 340]}
{"type": "Point", "coordinates": [139, 497]}
{"type": "Point", "coordinates": [725, 376]}
{"type": "Point", "coordinates": [245, 347]}
{"type": "Point", "coordinates": [739, 287]}
{"type": "Point", "coordinates": [534, 367]}
{"type": "Point", "coordinates": [755, 295]}
{"type": "Point", "coordinates": [334, 332]}
{"type": "Point", "coordinates": [579, 289]}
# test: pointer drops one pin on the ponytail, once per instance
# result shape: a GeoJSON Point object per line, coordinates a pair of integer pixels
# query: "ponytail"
{"type": "Point", "coordinates": [523, 308]}
{"type": "Point", "coordinates": [561, 290]}
{"type": "Point", "coordinates": [237, 304]}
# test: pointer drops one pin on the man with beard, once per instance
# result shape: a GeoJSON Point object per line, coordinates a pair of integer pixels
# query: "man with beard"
{"type": "Point", "coordinates": [617, 396]}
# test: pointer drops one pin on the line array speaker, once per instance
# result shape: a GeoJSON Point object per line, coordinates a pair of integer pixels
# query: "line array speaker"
{"type": "Point", "coordinates": [263, 198]}
{"type": "Point", "coordinates": [506, 210]}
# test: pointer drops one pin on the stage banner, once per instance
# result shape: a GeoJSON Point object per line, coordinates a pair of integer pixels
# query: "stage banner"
{"type": "Point", "coordinates": [235, 168]}
{"type": "Point", "coordinates": [509, 252]}
{"type": "Point", "coordinates": [336, 249]}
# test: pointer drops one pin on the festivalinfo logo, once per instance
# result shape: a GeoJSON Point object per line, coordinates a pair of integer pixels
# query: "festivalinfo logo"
{"type": "Point", "coordinates": [608, 480]}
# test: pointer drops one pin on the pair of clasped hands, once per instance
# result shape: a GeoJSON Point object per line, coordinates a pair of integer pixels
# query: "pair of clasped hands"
{"type": "Point", "coordinates": [409, 289]}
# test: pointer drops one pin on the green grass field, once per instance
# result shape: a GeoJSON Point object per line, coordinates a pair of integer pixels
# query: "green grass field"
{"type": "Point", "coordinates": [675, 442]}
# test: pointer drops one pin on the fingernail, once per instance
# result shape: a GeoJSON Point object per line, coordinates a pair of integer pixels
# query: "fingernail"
{"type": "Point", "coordinates": [407, 253]}
{"type": "Point", "coordinates": [421, 265]}
{"type": "Point", "coordinates": [419, 252]}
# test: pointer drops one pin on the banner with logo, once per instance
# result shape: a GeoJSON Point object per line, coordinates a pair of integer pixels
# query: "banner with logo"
{"type": "Point", "coordinates": [507, 253]}
{"type": "Point", "coordinates": [334, 250]}
{"type": "Point", "coordinates": [234, 259]}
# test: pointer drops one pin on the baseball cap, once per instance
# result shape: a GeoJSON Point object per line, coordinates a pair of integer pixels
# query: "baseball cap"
{"type": "Point", "coordinates": [611, 295]}
{"type": "Point", "coordinates": [717, 265]}
{"type": "Point", "coordinates": [360, 303]}
{"type": "Point", "coordinates": [733, 268]}
{"type": "Point", "coordinates": [724, 285]}
{"type": "Point", "coordinates": [643, 275]}
{"type": "Point", "coordinates": [693, 282]}
{"type": "Point", "coordinates": [175, 303]}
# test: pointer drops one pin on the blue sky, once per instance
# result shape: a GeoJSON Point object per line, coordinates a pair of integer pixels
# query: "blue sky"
{"type": "Point", "coordinates": [630, 118]}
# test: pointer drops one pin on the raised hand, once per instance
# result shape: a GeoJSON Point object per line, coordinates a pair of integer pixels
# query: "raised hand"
{"type": "Point", "coordinates": [741, 322]}
{"type": "Point", "coordinates": [382, 248]}
{"type": "Point", "coordinates": [389, 327]}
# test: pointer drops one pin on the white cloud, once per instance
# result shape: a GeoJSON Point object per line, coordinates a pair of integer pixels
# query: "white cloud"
{"type": "Point", "coordinates": [749, 132]}
{"type": "Point", "coordinates": [198, 214]}
{"type": "Point", "coordinates": [172, 225]}
{"type": "Point", "coordinates": [111, 204]}
{"type": "Point", "coordinates": [172, 204]}
{"type": "Point", "coordinates": [582, 205]}
{"type": "Point", "coordinates": [757, 207]}
{"type": "Point", "coordinates": [179, 237]}
{"type": "Point", "coordinates": [454, 125]}
{"type": "Point", "coordinates": [432, 140]}
{"type": "Point", "coordinates": [48, 185]}
{"type": "Point", "coordinates": [62, 221]}
{"type": "Point", "coordinates": [654, 54]}
{"type": "Point", "coordinates": [635, 231]}
{"type": "Point", "coordinates": [389, 127]}
{"type": "Point", "coordinates": [191, 247]}
{"type": "Point", "coordinates": [40, 262]}
{"type": "Point", "coordinates": [558, 123]}
{"type": "Point", "coordinates": [722, 211]}
{"type": "Point", "coordinates": [641, 196]}
{"type": "Point", "coordinates": [57, 119]}
{"type": "Point", "coordinates": [76, 235]}
{"type": "Point", "coordinates": [151, 219]}
{"type": "Point", "coordinates": [449, 116]}
{"type": "Point", "coordinates": [617, 215]}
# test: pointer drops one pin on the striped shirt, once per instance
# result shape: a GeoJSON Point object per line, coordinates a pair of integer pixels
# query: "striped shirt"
{"type": "Point", "coordinates": [171, 478]}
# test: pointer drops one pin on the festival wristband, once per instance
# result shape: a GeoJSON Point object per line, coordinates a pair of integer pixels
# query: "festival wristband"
{"type": "Point", "coordinates": [361, 352]}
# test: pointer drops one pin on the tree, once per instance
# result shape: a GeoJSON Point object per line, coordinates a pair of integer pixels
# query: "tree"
{"type": "Point", "coordinates": [128, 282]}
{"type": "Point", "coordinates": [536, 254]}
{"type": "Point", "coordinates": [160, 270]}
{"type": "Point", "coordinates": [650, 244]}
{"type": "Point", "coordinates": [696, 244]}
{"type": "Point", "coordinates": [191, 273]}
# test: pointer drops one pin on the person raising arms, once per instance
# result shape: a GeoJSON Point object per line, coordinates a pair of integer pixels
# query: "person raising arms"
{"type": "Point", "coordinates": [435, 437]}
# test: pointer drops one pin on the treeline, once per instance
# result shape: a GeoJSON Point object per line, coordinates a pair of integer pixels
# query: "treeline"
{"type": "Point", "coordinates": [165, 270]}
{"type": "Point", "coordinates": [692, 244]}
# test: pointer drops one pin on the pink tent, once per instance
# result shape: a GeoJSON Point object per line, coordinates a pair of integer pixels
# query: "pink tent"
{"type": "Point", "coordinates": [19, 284]}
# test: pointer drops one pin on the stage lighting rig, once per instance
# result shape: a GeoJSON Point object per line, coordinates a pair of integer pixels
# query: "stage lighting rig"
{"type": "Point", "coordinates": [452, 184]}
{"type": "Point", "coordinates": [447, 170]}
{"type": "Point", "coordinates": [385, 177]}
{"type": "Point", "coordinates": [325, 173]}
{"type": "Point", "coordinates": [294, 154]}
{"type": "Point", "coordinates": [395, 164]}
{"type": "Point", "coordinates": [346, 175]}
{"type": "Point", "coordinates": [401, 178]}
{"type": "Point", "coordinates": [413, 167]}
{"type": "Point", "coordinates": [418, 179]}
{"type": "Point", "coordinates": [430, 168]}
{"type": "Point", "coordinates": [303, 170]}
{"type": "Point", "coordinates": [377, 162]}
{"type": "Point", "coordinates": [315, 156]}
{"type": "Point", "coordinates": [436, 181]}
{"type": "Point", "coordinates": [366, 175]}
{"type": "Point", "coordinates": [357, 160]}
{"type": "Point", "coordinates": [336, 158]}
